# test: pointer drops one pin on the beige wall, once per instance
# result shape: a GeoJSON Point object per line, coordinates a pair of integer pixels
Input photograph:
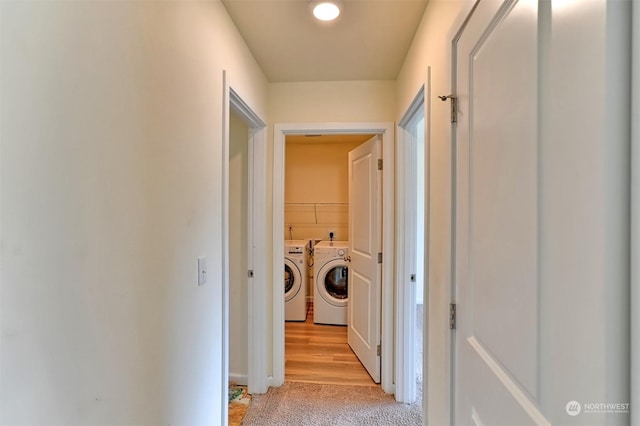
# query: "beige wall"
{"type": "Point", "coordinates": [323, 101]}
{"type": "Point", "coordinates": [111, 189]}
{"type": "Point", "coordinates": [317, 190]}
{"type": "Point", "coordinates": [238, 297]}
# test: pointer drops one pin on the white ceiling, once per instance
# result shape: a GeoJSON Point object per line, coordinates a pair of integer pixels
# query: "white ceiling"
{"type": "Point", "coordinates": [368, 41]}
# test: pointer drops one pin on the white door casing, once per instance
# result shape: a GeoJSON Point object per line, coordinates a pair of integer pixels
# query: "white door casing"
{"type": "Point", "coordinates": [496, 239]}
{"type": "Point", "coordinates": [365, 242]}
{"type": "Point", "coordinates": [256, 241]}
{"type": "Point", "coordinates": [407, 260]}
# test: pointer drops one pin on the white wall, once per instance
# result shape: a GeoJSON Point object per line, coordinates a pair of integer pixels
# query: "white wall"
{"type": "Point", "coordinates": [111, 142]}
{"type": "Point", "coordinates": [238, 199]}
{"type": "Point", "coordinates": [432, 47]}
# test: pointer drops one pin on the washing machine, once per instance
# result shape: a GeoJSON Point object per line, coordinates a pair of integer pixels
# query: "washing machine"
{"type": "Point", "coordinates": [330, 277]}
{"type": "Point", "coordinates": [296, 280]}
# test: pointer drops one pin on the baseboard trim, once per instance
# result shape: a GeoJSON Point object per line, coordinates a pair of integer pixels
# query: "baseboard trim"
{"type": "Point", "coordinates": [239, 379]}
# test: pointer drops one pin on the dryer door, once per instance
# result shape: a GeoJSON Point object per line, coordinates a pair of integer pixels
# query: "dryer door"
{"type": "Point", "coordinates": [332, 282]}
{"type": "Point", "coordinates": [292, 278]}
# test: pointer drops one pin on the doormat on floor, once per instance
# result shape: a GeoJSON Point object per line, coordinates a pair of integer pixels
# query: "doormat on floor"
{"type": "Point", "coordinates": [239, 400]}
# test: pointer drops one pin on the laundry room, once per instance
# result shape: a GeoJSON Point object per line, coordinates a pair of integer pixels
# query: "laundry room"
{"type": "Point", "coordinates": [316, 245]}
{"type": "Point", "coordinates": [316, 188]}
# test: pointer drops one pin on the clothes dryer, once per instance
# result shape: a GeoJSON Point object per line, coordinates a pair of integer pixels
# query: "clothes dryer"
{"type": "Point", "coordinates": [296, 273]}
{"type": "Point", "coordinates": [330, 276]}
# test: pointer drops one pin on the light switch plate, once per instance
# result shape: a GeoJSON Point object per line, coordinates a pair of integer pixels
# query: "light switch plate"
{"type": "Point", "coordinates": [202, 270]}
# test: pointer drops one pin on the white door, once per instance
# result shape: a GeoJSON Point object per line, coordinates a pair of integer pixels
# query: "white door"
{"type": "Point", "coordinates": [365, 242]}
{"type": "Point", "coordinates": [496, 217]}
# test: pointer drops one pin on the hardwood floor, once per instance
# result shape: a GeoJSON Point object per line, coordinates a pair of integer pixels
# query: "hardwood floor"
{"type": "Point", "coordinates": [316, 353]}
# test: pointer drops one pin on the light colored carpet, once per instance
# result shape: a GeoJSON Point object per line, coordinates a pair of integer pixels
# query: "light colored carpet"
{"type": "Point", "coordinates": [317, 404]}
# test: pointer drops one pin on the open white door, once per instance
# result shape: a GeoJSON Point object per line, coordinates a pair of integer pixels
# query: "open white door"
{"type": "Point", "coordinates": [497, 203]}
{"type": "Point", "coordinates": [365, 242]}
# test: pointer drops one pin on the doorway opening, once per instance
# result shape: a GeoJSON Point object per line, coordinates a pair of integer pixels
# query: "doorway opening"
{"type": "Point", "coordinates": [316, 214]}
{"type": "Point", "coordinates": [385, 131]}
{"type": "Point", "coordinates": [238, 247]}
{"type": "Point", "coordinates": [244, 194]}
{"type": "Point", "coordinates": [412, 249]}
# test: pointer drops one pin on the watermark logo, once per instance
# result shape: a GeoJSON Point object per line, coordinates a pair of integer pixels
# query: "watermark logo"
{"type": "Point", "coordinates": [573, 408]}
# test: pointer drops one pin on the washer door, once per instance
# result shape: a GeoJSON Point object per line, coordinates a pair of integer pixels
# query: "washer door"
{"type": "Point", "coordinates": [332, 282]}
{"type": "Point", "coordinates": [292, 279]}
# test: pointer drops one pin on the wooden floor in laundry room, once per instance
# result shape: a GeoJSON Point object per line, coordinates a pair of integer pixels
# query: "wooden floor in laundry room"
{"type": "Point", "coordinates": [319, 353]}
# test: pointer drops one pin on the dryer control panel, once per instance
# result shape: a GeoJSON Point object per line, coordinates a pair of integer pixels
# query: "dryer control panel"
{"type": "Point", "coordinates": [295, 250]}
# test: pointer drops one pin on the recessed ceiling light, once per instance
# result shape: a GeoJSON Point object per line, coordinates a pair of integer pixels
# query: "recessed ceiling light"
{"type": "Point", "coordinates": [326, 11]}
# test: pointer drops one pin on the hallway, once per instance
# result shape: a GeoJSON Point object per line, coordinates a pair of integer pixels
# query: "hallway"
{"type": "Point", "coordinates": [115, 156]}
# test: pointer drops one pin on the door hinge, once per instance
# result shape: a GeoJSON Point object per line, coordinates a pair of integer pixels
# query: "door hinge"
{"type": "Point", "coordinates": [250, 273]}
{"type": "Point", "coordinates": [380, 164]}
{"type": "Point", "coordinates": [379, 350]}
{"type": "Point", "coordinates": [379, 257]}
{"type": "Point", "coordinates": [452, 316]}
{"type": "Point", "coordinates": [454, 106]}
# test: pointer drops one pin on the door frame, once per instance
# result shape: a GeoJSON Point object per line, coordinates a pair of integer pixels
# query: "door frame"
{"type": "Point", "coordinates": [257, 235]}
{"type": "Point", "coordinates": [406, 293]}
{"type": "Point", "coordinates": [451, 288]}
{"type": "Point", "coordinates": [386, 130]}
